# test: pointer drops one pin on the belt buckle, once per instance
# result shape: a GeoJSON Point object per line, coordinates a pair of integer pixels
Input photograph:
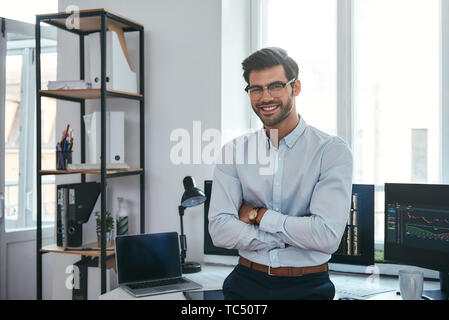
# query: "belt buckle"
{"type": "Point", "coordinates": [269, 271]}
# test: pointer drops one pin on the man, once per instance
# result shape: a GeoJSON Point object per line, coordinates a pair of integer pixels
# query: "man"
{"type": "Point", "coordinates": [285, 224]}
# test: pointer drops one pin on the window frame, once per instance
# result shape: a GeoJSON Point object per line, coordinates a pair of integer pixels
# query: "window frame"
{"type": "Point", "coordinates": [444, 91]}
{"type": "Point", "coordinates": [257, 40]}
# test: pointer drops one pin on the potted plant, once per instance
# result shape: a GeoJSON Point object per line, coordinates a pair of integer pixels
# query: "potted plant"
{"type": "Point", "coordinates": [109, 228]}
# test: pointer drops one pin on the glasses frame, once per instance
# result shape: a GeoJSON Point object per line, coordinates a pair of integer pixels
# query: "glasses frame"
{"type": "Point", "coordinates": [284, 84]}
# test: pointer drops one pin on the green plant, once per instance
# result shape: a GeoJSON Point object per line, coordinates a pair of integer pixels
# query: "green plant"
{"type": "Point", "coordinates": [109, 221]}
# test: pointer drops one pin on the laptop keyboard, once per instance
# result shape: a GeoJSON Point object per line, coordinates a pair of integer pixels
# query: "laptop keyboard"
{"type": "Point", "coordinates": [157, 283]}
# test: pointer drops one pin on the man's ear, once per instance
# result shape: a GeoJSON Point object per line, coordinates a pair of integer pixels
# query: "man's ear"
{"type": "Point", "coordinates": [297, 87]}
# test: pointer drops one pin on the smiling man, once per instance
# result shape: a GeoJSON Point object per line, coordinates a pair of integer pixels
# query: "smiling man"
{"type": "Point", "coordinates": [285, 225]}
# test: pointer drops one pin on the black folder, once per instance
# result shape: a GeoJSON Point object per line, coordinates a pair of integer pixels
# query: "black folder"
{"type": "Point", "coordinates": [74, 209]}
{"type": "Point", "coordinates": [61, 216]}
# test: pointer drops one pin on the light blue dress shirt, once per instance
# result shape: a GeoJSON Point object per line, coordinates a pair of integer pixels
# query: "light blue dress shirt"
{"type": "Point", "coordinates": [306, 186]}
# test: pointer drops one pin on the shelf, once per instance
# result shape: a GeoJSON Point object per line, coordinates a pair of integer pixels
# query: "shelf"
{"type": "Point", "coordinates": [89, 20]}
{"type": "Point", "coordinates": [82, 94]}
{"type": "Point", "coordinates": [78, 251]}
{"type": "Point", "coordinates": [110, 173]}
{"type": "Point", "coordinates": [82, 23]}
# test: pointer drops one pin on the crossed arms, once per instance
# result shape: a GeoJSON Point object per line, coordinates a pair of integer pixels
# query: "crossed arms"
{"type": "Point", "coordinates": [319, 230]}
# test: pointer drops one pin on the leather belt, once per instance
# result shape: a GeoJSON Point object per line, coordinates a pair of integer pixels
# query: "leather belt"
{"type": "Point", "coordinates": [282, 271]}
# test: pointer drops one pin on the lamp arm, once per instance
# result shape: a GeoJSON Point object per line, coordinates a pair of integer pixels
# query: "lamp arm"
{"type": "Point", "coordinates": [182, 237]}
{"type": "Point", "coordinates": [181, 215]}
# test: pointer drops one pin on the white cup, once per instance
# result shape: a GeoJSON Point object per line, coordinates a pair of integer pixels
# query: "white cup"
{"type": "Point", "coordinates": [411, 284]}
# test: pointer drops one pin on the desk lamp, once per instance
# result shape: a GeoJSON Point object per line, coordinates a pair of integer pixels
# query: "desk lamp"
{"type": "Point", "coordinates": [192, 197]}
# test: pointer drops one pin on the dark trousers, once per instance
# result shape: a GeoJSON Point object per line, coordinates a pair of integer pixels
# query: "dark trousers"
{"type": "Point", "coordinates": [246, 284]}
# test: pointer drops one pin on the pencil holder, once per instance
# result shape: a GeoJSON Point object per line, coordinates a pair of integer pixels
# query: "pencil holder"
{"type": "Point", "coordinates": [62, 159]}
{"type": "Point", "coordinates": [68, 158]}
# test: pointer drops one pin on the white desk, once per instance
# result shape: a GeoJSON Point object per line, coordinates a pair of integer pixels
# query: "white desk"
{"type": "Point", "coordinates": [212, 276]}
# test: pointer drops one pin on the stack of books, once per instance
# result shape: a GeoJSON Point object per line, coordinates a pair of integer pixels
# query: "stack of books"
{"type": "Point", "coordinates": [69, 84]}
{"type": "Point", "coordinates": [97, 166]}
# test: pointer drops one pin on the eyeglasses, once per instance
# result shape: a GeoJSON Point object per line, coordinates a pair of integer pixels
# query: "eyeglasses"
{"type": "Point", "coordinates": [274, 89]}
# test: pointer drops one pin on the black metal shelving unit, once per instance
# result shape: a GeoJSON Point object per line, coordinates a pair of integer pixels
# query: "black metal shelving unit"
{"type": "Point", "coordinates": [95, 20]}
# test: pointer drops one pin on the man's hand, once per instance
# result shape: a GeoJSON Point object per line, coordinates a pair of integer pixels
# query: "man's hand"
{"type": "Point", "coordinates": [244, 213]}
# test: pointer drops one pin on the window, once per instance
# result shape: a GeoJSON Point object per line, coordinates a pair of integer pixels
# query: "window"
{"type": "Point", "coordinates": [393, 64]}
{"type": "Point", "coordinates": [419, 155]}
{"type": "Point", "coordinates": [20, 152]}
{"type": "Point", "coordinates": [306, 29]}
{"type": "Point", "coordinates": [397, 92]}
{"type": "Point", "coordinates": [20, 105]}
{"type": "Point", "coordinates": [26, 10]}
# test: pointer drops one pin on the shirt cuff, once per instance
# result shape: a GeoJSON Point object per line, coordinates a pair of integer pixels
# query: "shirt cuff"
{"type": "Point", "coordinates": [272, 221]}
{"type": "Point", "coordinates": [275, 241]}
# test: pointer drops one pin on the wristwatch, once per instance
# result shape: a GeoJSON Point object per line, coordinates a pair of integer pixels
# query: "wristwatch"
{"type": "Point", "coordinates": [252, 215]}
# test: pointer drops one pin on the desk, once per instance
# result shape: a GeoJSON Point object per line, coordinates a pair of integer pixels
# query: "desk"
{"type": "Point", "coordinates": [212, 276]}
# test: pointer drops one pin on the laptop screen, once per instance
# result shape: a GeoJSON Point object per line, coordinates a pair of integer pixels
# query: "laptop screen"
{"type": "Point", "coordinates": [147, 257]}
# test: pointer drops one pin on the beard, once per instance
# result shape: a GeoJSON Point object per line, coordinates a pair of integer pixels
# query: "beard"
{"type": "Point", "coordinates": [281, 113]}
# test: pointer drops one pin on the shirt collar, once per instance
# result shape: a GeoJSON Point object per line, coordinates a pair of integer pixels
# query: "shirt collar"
{"type": "Point", "coordinates": [293, 136]}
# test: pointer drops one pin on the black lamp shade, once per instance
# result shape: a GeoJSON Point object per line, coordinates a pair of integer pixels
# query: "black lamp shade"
{"type": "Point", "coordinates": [192, 195]}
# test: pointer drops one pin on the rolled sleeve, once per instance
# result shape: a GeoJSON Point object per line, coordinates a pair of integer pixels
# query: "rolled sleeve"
{"type": "Point", "coordinates": [272, 221]}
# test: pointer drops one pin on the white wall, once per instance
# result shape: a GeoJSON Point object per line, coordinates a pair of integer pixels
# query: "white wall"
{"type": "Point", "coordinates": [184, 74]}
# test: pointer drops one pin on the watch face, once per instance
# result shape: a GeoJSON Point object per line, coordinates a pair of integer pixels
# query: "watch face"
{"type": "Point", "coordinates": [252, 214]}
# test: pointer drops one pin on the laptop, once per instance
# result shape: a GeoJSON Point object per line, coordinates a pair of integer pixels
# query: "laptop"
{"type": "Point", "coordinates": [150, 264]}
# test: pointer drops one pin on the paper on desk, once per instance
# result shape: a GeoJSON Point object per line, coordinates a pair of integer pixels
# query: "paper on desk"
{"type": "Point", "coordinates": [359, 287]}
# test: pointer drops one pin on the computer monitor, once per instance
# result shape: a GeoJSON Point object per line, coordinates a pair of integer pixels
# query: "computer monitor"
{"type": "Point", "coordinates": [357, 244]}
{"type": "Point", "coordinates": [417, 229]}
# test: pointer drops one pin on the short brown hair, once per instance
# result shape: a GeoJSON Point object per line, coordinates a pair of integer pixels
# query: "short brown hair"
{"type": "Point", "coordinates": [267, 58]}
